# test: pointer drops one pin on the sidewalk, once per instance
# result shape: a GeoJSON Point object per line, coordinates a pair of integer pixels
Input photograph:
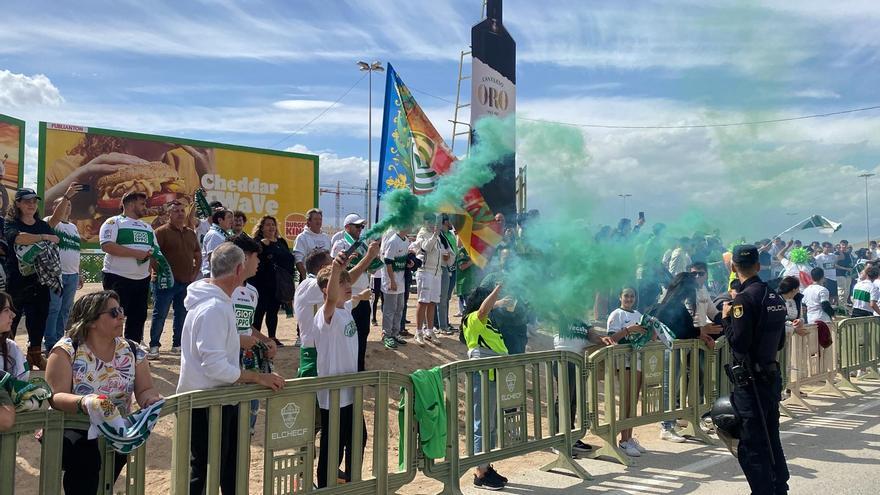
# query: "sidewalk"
{"type": "Point", "coordinates": [835, 451]}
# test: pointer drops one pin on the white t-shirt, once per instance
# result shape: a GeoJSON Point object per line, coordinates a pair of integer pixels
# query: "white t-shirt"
{"type": "Point", "coordinates": [308, 241]}
{"type": "Point", "coordinates": [202, 229]}
{"type": "Point", "coordinates": [15, 366]}
{"type": "Point", "coordinates": [129, 233]}
{"type": "Point", "coordinates": [827, 262]}
{"type": "Point", "coordinates": [336, 237]}
{"type": "Point", "coordinates": [620, 319]}
{"type": "Point", "coordinates": [337, 350]}
{"type": "Point", "coordinates": [863, 293]}
{"type": "Point", "coordinates": [244, 303]}
{"type": "Point", "coordinates": [306, 301]}
{"type": "Point", "coordinates": [214, 238]}
{"type": "Point", "coordinates": [393, 247]}
{"type": "Point", "coordinates": [814, 295]}
{"type": "Point", "coordinates": [876, 284]}
{"type": "Point", "coordinates": [68, 247]}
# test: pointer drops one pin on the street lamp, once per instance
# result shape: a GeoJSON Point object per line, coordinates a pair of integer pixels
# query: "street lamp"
{"type": "Point", "coordinates": [867, 222]}
{"type": "Point", "coordinates": [624, 196]}
{"type": "Point", "coordinates": [374, 67]}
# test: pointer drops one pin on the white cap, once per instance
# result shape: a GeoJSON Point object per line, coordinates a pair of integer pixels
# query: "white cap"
{"type": "Point", "coordinates": [354, 218]}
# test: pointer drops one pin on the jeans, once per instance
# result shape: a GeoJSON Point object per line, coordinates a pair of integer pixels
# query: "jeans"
{"type": "Point", "coordinates": [31, 301]}
{"type": "Point", "coordinates": [478, 418]}
{"type": "Point", "coordinates": [668, 357]}
{"type": "Point", "coordinates": [59, 310]}
{"type": "Point", "coordinates": [442, 312]}
{"type": "Point", "coordinates": [162, 301]}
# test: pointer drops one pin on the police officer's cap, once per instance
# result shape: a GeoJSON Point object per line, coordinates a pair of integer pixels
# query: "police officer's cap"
{"type": "Point", "coordinates": [745, 255]}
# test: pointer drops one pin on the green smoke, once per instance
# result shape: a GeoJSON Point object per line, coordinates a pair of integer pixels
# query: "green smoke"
{"type": "Point", "coordinates": [404, 210]}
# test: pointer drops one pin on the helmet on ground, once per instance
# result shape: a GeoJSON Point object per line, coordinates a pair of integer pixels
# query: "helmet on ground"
{"type": "Point", "coordinates": [727, 423]}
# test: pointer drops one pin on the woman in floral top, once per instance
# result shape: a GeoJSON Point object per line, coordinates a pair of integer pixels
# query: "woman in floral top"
{"type": "Point", "coordinates": [92, 360]}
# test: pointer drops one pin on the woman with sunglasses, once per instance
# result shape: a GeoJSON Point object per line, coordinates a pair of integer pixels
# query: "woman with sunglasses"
{"type": "Point", "coordinates": [94, 358]}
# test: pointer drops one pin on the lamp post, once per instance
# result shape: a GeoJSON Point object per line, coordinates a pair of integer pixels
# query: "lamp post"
{"type": "Point", "coordinates": [867, 221]}
{"type": "Point", "coordinates": [624, 196]}
{"type": "Point", "coordinates": [374, 67]}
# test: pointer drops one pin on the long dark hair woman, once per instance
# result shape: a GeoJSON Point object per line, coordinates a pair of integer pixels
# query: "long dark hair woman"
{"type": "Point", "coordinates": [26, 234]}
{"type": "Point", "coordinates": [12, 360]}
{"type": "Point", "coordinates": [274, 256]}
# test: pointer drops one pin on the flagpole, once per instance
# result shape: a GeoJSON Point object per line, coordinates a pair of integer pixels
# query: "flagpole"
{"type": "Point", "coordinates": [792, 227]}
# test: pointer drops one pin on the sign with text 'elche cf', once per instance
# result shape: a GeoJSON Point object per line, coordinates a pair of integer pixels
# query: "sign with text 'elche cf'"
{"type": "Point", "coordinates": [110, 163]}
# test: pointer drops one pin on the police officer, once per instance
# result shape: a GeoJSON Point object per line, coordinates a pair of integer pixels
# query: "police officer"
{"type": "Point", "coordinates": [756, 333]}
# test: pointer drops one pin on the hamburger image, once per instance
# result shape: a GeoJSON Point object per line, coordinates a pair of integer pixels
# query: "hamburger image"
{"type": "Point", "coordinates": [160, 182]}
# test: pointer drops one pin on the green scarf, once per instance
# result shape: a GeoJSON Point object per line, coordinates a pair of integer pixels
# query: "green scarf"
{"type": "Point", "coordinates": [359, 252]}
{"type": "Point", "coordinates": [26, 395]}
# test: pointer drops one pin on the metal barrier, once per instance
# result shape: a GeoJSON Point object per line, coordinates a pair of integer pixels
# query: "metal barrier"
{"type": "Point", "coordinates": [807, 363]}
{"type": "Point", "coordinates": [667, 392]}
{"type": "Point", "coordinates": [289, 444]}
{"type": "Point", "coordinates": [531, 392]}
{"type": "Point", "coordinates": [858, 349]}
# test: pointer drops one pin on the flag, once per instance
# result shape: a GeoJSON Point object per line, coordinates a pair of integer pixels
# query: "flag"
{"type": "Point", "coordinates": [824, 225]}
{"type": "Point", "coordinates": [414, 156]}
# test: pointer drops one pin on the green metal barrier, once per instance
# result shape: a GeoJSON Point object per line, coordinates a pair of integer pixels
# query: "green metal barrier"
{"type": "Point", "coordinates": [289, 443]}
{"type": "Point", "coordinates": [666, 391]}
{"type": "Point", "coordinates": [858, 349]}
{"type": "Point", "coordinates": [531, 392]}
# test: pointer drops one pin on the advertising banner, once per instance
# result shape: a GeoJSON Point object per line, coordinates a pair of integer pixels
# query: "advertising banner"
{"type": "Point", "coordinates": [11, 158]}
{"type": "Point", "coordinates": [255, 181]}
{"type": "Point", "coordinates": [493, 92]}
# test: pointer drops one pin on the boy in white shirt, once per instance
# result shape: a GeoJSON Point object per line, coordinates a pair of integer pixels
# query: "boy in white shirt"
{"type": "Point", "coordinates": [337, 344]}
{"type": "Point", "coordinates": [866, 293]}
{"type": "Point", "coordinates": [817, 299]}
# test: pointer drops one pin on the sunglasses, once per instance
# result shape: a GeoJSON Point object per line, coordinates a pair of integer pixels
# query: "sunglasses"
{"type": "Point", "coordinates": [115, 312]}
{"type": "Point", "coordinates": [699, 274]}
{"type": "Point", "coordinates": [359, 226]}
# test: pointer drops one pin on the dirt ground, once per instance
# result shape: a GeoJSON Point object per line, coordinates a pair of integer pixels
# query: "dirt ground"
{"type": "Point", "coordinates": [405, 359]}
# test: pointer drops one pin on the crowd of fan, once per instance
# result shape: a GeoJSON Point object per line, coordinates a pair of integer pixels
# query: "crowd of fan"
{"type": "Point", "coordinates": [224, 284]}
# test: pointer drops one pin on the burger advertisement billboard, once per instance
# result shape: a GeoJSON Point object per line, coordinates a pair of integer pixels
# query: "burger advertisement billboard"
{"type": "Point", "coordinates": [110, 163]}
{"type": "Point", "coordinates": [11, 158]}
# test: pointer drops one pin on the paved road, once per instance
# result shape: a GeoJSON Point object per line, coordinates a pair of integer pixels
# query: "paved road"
{"type": "Point", "coordinates": [834, 451]}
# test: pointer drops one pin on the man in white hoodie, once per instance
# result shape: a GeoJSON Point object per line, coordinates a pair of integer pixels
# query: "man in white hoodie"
{"type": "Point", "coordinates": [210, 359]}
{"type": "Point", "coordinates": [430, 252]}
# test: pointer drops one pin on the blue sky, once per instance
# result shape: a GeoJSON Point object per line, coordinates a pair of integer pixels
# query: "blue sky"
{"type": "Point", "coordinates": [251, 72]}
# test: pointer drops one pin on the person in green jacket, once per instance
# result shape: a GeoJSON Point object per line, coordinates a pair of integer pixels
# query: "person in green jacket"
{"type": "Point", "coordinates": [465, 278]}
{"type": "Point", "coordinates": [483, 340]}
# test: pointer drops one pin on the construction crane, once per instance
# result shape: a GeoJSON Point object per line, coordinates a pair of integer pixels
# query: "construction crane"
{"type": "Point", "coordinates": [339, 191]}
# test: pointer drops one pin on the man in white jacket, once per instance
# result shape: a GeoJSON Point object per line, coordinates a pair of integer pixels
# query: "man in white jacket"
{"type": "Point", "coordinates": [209, 359]}
{"type": "Point", "coordinates": [430, 252]}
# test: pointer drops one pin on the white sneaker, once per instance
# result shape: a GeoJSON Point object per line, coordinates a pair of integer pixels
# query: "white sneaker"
{"type": "Point", "coordinates": [630, 449]}
{"type": "Point", "coordinates": [418, 338]}
{"type": "Point", "coordinates": [427, 335]}
{"type": "Point", "coordinates": [436, 332]}
{"type": "Point", "coordinates": [153, 354]}
{"type": "Point", "coordinates": [672, 436]}
{"type": "Point", "coordinates": [635, 443]}
{"type": "Point", "coordinates": [175, 350]}
{"type": "Point", "coordinates": [297, 342]}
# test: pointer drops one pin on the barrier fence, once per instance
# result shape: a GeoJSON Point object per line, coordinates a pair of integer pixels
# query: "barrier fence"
{"type": "Point", "coordinates": [524, 403]}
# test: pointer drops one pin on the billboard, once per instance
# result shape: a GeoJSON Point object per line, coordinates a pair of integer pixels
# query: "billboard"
{"type": "Point", "coordinates": [255, 181]}
{"type": "Point", "coordinates": [493, 92]}
{"type": "Point", "coordinates": [11, 158]}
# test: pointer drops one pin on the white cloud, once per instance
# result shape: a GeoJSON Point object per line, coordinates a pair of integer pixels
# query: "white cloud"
{"type": "Point", "coordinates": [304, 104]}
{"type": "Point", "coordinates": [19, 90]}
{"type": "Point", "coordinates": [819, 94]}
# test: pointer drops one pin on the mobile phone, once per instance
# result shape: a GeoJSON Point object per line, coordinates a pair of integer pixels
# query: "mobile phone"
{"type": "Point", "coordinates": [641, 215]}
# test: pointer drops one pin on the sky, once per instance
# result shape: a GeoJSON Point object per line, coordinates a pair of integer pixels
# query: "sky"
{"type": "Point", "coordinates": [256, 72]}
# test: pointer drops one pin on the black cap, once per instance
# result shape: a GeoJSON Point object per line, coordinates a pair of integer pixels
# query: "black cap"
{"type": "Point", "coordinates": [26, 193]}
{"type": "Point", "coordinates": [745, 255]}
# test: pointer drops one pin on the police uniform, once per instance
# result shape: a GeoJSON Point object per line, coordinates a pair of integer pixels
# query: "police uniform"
{"type": "Point", "coordinates": [756, 333]}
